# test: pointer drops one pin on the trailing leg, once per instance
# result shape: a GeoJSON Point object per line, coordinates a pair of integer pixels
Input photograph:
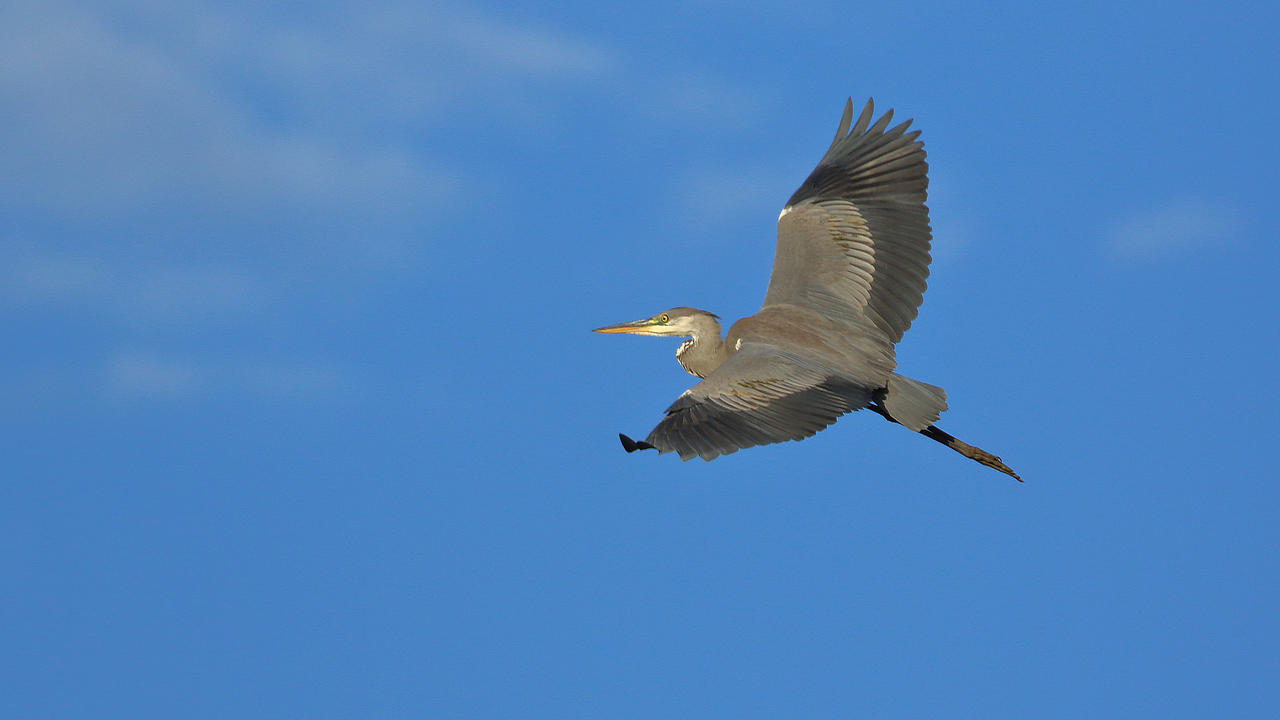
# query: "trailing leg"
{"type": "Point", "coordinates": [965, 449]}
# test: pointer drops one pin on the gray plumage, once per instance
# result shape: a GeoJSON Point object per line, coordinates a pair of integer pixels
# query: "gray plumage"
{"type": "Point", "coordinates": [849, 274]}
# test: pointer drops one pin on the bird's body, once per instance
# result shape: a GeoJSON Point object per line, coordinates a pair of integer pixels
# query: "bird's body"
{"type": "Point", "coordinates": [848, 278]}
{"type": "Point", "coordinates": [830, 339]}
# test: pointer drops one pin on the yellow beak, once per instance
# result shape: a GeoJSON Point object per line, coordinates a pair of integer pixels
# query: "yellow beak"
{"type": "Point", "coordinates": [638, 327]}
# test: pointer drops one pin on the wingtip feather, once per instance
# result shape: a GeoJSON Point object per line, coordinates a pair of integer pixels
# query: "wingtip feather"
{"type": "Point", "coordinates": [864, 118]}
{"type": "Point", "coordinates": [843, 128]}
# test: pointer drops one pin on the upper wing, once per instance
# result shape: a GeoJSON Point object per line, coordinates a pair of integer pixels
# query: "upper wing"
{"type": "Point", "coordinates": [854, 239]}
{"type": "Point", "coordinates": [762, 394]}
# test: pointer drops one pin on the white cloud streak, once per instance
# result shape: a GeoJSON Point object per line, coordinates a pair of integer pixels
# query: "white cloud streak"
{"type": "Point", "coordinates": [712, 196]}
{"type": "Point", "coordinates": [1175, 229]}
{"type": "Point", "coordinates": [106, 118]}
{"type": "Point", "coordinates": [704, 100]}
{"type": "Point", "coordinates": [150, 377]}
{"type": "Point", "coordinates": [147, 292]}
{"type": "Point", "coordinates": [110, 112]}
{"type": "Point", "coordinates": [169, 166]}
{"type": "Point", "coordinates": [192, 148]}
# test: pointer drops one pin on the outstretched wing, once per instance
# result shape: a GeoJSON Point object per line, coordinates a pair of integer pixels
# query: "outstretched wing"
{"type": "Point", "coordinates": [762, 394]}
{"type": "Point", "coordinates": [854, 239]}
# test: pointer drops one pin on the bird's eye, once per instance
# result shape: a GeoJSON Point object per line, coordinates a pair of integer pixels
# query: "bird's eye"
{"type": "Point", "coordinates": [664, 319]}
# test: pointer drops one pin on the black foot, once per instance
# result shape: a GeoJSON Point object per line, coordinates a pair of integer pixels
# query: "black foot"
{"type": "Point", "coordinates": [631, 445]}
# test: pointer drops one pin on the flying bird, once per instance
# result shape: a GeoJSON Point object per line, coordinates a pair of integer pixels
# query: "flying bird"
{"type": "Point", "coordinates": [848, 278]}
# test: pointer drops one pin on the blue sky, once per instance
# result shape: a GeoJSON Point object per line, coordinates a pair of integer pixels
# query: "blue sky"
{"type": "Point", "coordinates": [302, 417]}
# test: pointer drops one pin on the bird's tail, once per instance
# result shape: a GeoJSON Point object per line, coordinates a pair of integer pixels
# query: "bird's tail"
{"type": "Point", "coordinates": [969, 451]}
{"type": "Point", "coordinates": [911, 403]}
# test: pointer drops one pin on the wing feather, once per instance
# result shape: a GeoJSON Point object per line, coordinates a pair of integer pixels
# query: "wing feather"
{"type": "Point", "coordinates": [854, 239]}
{"type": "Point", "coordinates": [762, 394]}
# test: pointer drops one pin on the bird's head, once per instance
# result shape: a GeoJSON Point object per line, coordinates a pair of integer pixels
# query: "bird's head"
{"type": "Point", "coordinates": [676, 322]}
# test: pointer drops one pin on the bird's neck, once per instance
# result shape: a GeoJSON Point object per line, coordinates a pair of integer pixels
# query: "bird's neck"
{"type": "Point", "coordinates": [702, 353]}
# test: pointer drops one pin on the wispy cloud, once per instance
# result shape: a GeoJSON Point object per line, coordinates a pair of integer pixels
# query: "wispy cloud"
{"type": "Point", "coordinates": [106, 119]}
{"type": "Point", "coordinates": [706, 100]}
{"type": "Point", "coordinates": [721, 195]}
{"type": "Point", "coordinates": [139, 376]}
{"type": "Point", "coordinates": [239, 108]}
{"type": "Point", "coordinates": [174, 168]}
{"type": "Point", "coordinates": [145, 291]}
{"type": "Point", "coordinates": [522, 49]}
{"type": "Point", "coordinates": [164, 158]}
{"type": "Point", "coordinates": [1174, 229]}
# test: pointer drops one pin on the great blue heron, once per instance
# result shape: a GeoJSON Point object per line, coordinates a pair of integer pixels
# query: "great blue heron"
{"type": "Point", "coordinates": [848, 278]}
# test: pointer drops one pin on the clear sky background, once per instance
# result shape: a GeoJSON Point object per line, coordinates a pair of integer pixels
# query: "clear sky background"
{"type": "Point", "coordinates": [302, 416]}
